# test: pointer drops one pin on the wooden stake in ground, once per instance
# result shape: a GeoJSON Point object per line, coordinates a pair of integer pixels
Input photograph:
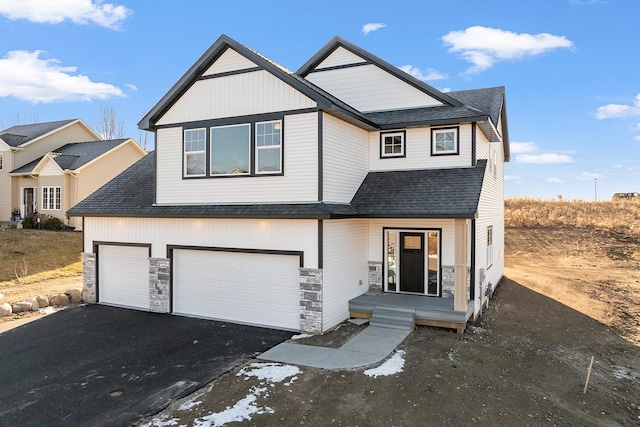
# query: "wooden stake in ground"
{"type": "Point", "coordinates": [586, 383]}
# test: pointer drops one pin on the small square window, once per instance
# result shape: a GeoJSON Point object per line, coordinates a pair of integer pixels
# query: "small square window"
{"type": "Point", "coordinates": [392, 144]}
{"type": "Point", "coordinates": [444, 141]}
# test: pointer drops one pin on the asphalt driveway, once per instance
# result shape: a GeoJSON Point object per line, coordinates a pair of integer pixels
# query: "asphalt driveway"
{"type": "Point", "coordinates": [97, 365]}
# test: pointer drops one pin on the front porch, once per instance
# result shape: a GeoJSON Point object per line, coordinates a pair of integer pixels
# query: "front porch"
{"type": "Point", "coordinates": [428, 311]}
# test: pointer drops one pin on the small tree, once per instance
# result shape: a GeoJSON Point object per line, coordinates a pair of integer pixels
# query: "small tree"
{"type": "Point", "coordinates": [109, 125]}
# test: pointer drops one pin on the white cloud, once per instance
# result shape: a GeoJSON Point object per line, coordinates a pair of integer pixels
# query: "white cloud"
{"type": "Point", "coordinates": [77, 11]}
{"type": "Point", "coordinates": [512, 178]}
{"type": "Point", "coordinates": [522, 147]}
{"type": "Point", "coordinates": [484, 47]}
{"type": "Point", "coordinates": [619, 111]}
{"type": "Point", "coordinates": [428, 75]}
{"type": "Point", "coordinates": [587, 2]}
{"type": "Point", "coordinates": [132, 87]}
{"type": "Point", "coordinates": [544, 159]}
{"type": "Point", "coordinates": [554, 180]}
{"type": "Point", "coordinates": [637, 138]}
{"type": "Point", "coordinates": [373, 26]}
{"type": "Point", "coordinates": [589, 176]}
{"type": "Point", "coordinates": [445, 89]}
{"type": "Point", "coordinates": [618, 166]}
{"type": "Point", "coordinates": [26, 76]}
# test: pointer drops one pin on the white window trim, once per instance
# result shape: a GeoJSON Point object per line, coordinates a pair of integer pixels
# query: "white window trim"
{"type": "Point", "coordinates": [456, 138]}
{"type": "Point", "coordinates": [403, 144]}
{"type": "Point", "coordinates": [214, 175]}
{"type": "Point", "coordinates": [489, 246]}
{"type": "Point", "coordinates": [47, 203]}
{"type": "Point", "coordinates": [269, 147]}
{"type": "Point", "coordinates": [184, 153]}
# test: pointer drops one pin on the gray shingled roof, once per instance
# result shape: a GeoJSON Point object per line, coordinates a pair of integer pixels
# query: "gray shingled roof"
{"type": "Point", "coordinates": [426, 193]}
{"type": "Point", "coordinates": [426, 116]}
{"type": "Point", "coordinates": [18, 135]}
{"type": "Point", "coordinates": [439, 193]}
{"type": "Point", "coordinates": [488, 100]}
{"type": "Point", "coordinates": [73, 156]}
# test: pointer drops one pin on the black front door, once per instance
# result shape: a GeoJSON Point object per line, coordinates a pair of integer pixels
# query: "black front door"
{"type": "Point", "coordinates": [412, 262]}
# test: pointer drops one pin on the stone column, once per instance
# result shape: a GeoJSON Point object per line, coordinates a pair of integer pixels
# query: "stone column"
{"type": "Point", "coordinates": [159, 285]}
{"type": "Point", "coordinates": [375, 277]}
{"type": "Point", "coordinates": [89, 277]}
{"type": "Point", "coordinates": [311, 300]}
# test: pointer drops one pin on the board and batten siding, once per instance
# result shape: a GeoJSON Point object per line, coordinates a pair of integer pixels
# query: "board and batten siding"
{"type": "Point", "coordinates": [339, 57]}
{"type": "Point", "coordinates": [490, 213]}
{"type": "Point", "coordinates": [345, 269]}
{"type": "Point", "coordinates": [447, 236]}
{"type": "Point", "coordinates": [235, 95]}
{"type": "Point", "coordinates": [418, 151]}
{"type": "Point", "coordinates": [290, 235]}
{"type": "Point", "coordinates": [298, 184]}
{"type": "Point", "coordinates": [369, 88]}
{"type": "Point", "coordinates": [344, 159]}
{"type": "Point", "coordinates": [230, 60]}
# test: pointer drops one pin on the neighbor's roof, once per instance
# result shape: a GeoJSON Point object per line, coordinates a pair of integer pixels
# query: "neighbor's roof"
{"type": "Point", "coordinates": [435, 193]}
{"type": "Point", "coordinates": [75, 155]}
{"type": "Point", "coordinates": [18, 135]}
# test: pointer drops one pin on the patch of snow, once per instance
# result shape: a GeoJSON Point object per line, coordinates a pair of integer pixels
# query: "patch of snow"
{"type": "Point", "coordinates": [301, 336]}
{"type": "Point", "coordinates": [392, 366]}
{"type": "Point", "coordinates": [477, 330]}
{"type": "Point", "coordinates": [188, 405]}
{"type": "Point", "coordinates": [452, 355]}
{"type": "Point", "coordinates": [47, 310]}
{"type": "Point", "coordinates": [242, 410]}
{"type": "Point", "coordinates": [271, 372]}
{"type": "Point", "coordinates": [621, 372]}
{"type": "Point", "coordinates": [161, 421]}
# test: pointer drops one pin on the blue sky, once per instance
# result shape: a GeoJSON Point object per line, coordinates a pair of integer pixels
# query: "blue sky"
{"type": "Point", "coordinates": [571, 67]}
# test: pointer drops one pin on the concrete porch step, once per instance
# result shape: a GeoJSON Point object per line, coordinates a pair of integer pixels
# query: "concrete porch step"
{"type": "Point", "coordinates": [389, 318]}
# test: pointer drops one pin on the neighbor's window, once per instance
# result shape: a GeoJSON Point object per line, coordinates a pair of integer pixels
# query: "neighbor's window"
{"type": "Point", "coordinates": [230, 149]}
{"type": "Point", "coordinates": [489, 246]}
{"type": "Point", "coordinates": [51, 198]}
{"type": "Point", "coordinates": [444, 141]}
{"type": "Point", "coordinates": [392, 144]}
{"type": "Point", "coordinates": [195, 152]}
{"type": "Point", "coordinates": [269, 147]}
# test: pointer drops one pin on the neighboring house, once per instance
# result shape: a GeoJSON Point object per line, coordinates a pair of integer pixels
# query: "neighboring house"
{"type": "Point", "coordinates": [280, 199]}
{"type": "Point", "coordinates": [49, 167]}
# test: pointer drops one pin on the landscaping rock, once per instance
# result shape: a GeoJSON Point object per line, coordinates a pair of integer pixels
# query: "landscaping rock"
{"type": "Point", "coordinates": [43, 301]}
{"type": "Point", "coordinates": [22, 306]}
{"type": "Point", "coordinates": [60, 299]}
{"type": "Point", "coordinates": [35, 305]}
{"type": "Point", "coordinates": [5, 309]}
{"type": "Point", "coordinates": [74, 295]}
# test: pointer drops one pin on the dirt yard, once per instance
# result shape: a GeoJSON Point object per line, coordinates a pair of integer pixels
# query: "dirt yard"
{"type": "Point", "coordinates": [569, 295]}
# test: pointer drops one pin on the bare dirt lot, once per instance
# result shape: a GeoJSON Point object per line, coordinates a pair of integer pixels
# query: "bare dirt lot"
{"type": "Point", "coordinates": [569, 295]}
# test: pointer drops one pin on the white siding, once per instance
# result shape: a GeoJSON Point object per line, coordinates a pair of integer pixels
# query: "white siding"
{"type": "Point", "coordinates": [236, 95]}
{"type": "Point", "coordinates": [294, 235]}
{"type": "Point", "coordinates": [369, 88]}
{"type": "Point", "coordinates": [345, 273]}
{"type": "Point", "coordinates": [344, 159]}
{"type": "Point", "coordinates": [340, 56]}
{"type": "Point", "coordinates": [447, 235]}
{"type": "Point", "coordinates": [490, 213]}
{"type": "Point", "coordinates": [230, 60]}
{"type": "Point", "coordinates": [418, 152]}
{"type": "Point", "coordinates": [299, 183]}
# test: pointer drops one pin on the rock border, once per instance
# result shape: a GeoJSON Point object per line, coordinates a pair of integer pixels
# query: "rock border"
{"type": "Point", "coordinates": [72, 296]}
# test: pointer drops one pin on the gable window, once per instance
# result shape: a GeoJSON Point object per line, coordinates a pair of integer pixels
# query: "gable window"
{"type": "Point", "coordinates": [230, 150]}
{"type": "Point", "coordinates": [392, 144]}
{"type": "Point", "coordinates": [268, 147]}
{"type": "Point", "coordinates": [51, 198]}
{"type": "Point", "coordinates": [195, 152]}
{"type": "Point", "coordinates": [489, 246]}
{"type": "Point", "coordinates": [445, 141]}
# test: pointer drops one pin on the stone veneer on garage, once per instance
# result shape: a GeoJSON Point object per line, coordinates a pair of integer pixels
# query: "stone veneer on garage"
{"type": "Point", "coordinates": [89, 277]}
{"type": "Point", "coordinates": [311, 300]}
{"type": "Point", "coordinates": [159, 285]}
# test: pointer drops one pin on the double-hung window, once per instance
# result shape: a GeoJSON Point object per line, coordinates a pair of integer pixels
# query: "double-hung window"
{"type": "Point", "coordinates": [195, 155]}
{"type": "Point", "coordinates": [51, 198]}
{"type": "Point", "coordinates": [489, 246]}
{"type": "Point", "coordinates": [392, 144]}
{"type": "Point", "coordinates": [268, 147]}
{"type": "Point", "coordinates": [444, 141]}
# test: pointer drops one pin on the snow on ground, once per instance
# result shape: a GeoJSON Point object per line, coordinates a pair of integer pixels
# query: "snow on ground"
{"type": "Point", "coordinates": [47, 310]}
{"type": "Point", "coordinates": [269, 374]}
{"type": "Point", "coordinates": [301, 336]}
{"type": "Point", "coordinates": [392, 366]}
{"type": "Point", "coordinates": [189, 404]}
{"type": "Point", "coordinates": [161, 421]}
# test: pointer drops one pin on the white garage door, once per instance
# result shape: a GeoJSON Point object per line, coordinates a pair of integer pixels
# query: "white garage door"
{"type": "Point", "coordinates": [123, 276]}
{"type": "Point", "coordinates": [258, 289]}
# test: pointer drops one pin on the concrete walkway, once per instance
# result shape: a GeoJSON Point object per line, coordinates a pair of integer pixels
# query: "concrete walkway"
{"type": "Point", "coordinates": [368, 347]}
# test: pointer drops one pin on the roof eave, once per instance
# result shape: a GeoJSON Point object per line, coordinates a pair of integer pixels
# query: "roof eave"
{"type": "Point", "coordinates": [437, 122]}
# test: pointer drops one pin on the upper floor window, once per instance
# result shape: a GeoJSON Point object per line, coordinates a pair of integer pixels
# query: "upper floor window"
{"type": "Point", "coordinates": [195, 152]}
{"type": "Point", "coordinates": [445, 141]}
{"type": "Point", "coordinates": [392, 144]}
{"type": "Point", "coordinates": [268, 147]}
{"type": "Point", "coordinates": [51, 198]}
{"type": "Point", "coordinates": [230, 150]}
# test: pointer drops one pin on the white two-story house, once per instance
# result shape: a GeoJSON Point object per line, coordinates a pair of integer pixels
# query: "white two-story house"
{"type": "Point", "coordinates": [295, 200]}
